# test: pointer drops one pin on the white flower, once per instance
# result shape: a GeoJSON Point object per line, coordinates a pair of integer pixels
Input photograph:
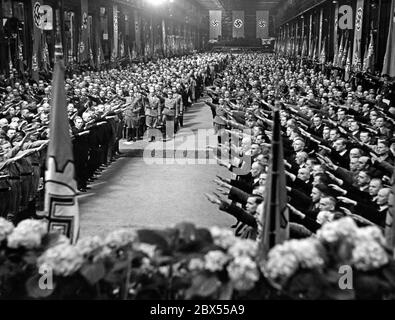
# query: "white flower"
{"type": "Point", "coordinates": [40, 226]}
{"type": "Point", "coordinates": [334, 231]}
{"type": "Point", "coordinates": [243, 273]}
{"type": "Point", "coordinates": [369, 255]}
{"type": "Point", "coordinates": [215, 260]}
{"type": "Point", "coordinates": [164, 270]}
{"type": "Point", "coordinates": [146, 264]}
{"type": "Point", "coordinates": [6, 228]}
{"type": "Point", "coordinates": [120, 238]}
{"type": "Point", "coordinates": [27, 234]}
{"type": "Point", "coordinates": [223, 238]}
{"type": "Point", "coordinates": [87, 246]}
{"type": "Point", "coordinates": [196, 264]}
{"type": "Point", "coordinates": [325, 216]}
{"type": "Point", "coordinates": [63, 260]}
{"type": "Point", "coordinates": [371, 233]}
{"type": "Point", "coordinates": [146, 248]}
{"type": "Point", "coordinates": [308, 253]}
{"type": "Point", "coordinates": [245, 247]}
{"type": "Point", "coordinates": [280, 266]}
{"type": "Point", "coordinates": [285, 259]}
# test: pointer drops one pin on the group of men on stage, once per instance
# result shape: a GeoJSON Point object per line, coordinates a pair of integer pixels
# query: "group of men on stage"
{"type": "Point", "coordinates": [338, 144]}
{"type": "Point", "coordinates": [103, 107]}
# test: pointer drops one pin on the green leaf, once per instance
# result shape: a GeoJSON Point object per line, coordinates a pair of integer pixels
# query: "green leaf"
{"type": "Point", "coordinates": [204, 235]}
{"type": "Point", "coordinates": [51, 239]}
{"type": "Point", "coordinates": [34, 291]}
{"type": "Point", "coordinates": [93, 272]}
{"type": "Point", "coordinates": [117, 272]}
{"type": "Point", "coordinates": [30, 257]}
{"type": "Point", "coordinates": [226, 291]}
{"type": "Point", "coordinates": [187, 232]}
{"type": "Point", "coordinates": [154, 238]}
{"type": "Point", "coordinates": [203, 286]}
{"type": "Point", "coordinates": [389, 273]}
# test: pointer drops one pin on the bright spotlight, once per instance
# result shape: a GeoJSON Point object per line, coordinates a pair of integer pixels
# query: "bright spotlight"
{"type": "Point", "coordinates": [156, 2]}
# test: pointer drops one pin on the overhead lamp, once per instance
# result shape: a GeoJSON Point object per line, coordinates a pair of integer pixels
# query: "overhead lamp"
{"type": "Point", "coordinates": [156, 2]}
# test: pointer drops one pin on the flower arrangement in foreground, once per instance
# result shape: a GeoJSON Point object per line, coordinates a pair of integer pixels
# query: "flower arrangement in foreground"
{"type": "Point", "coordinates": [341, 262]}
{"type": "Point", "coordinates": [186, 262]}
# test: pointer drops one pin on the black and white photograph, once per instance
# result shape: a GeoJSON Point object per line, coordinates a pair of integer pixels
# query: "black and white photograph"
{"type": "Point", "coordinates": [219, 151]}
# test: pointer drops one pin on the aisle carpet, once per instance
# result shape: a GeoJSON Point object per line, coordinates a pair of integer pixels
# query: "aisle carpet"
{"type": "Point", "coordinates": [153, 192]}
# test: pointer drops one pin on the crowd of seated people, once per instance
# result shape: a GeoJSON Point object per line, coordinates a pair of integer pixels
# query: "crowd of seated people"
{"type": "Point", "coordinates": [338, 144]}
{"type": "Point", "coordinates": [103, 107]}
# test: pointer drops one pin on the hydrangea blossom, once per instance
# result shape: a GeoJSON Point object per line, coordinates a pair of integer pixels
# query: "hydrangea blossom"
{"type": "Point", "coordinates": [6, 228]}
{"type": "Point", "coordinates": [342, 229]}
{"type": "Point", "coordinates": [223, 238]}
{"type": "Point", "coordinates": [27, 234]}
{"type": "Point", "coordinates": [120, 238]}
{"type": "Point", "coordinates": [371, 233]}
{"type": "Point", "coordinates": [63, 260]}
{"type": "Point", "coordinates": [196, 264]}
{"type": "Point", "coordinates": [285, 259]}
{"type": "Point", "coordinates": [369, 255]}
{"type": "Point", "coordinates": [215, 260]}
{"type": "Point", "coordinates": [243, 247]}
{"type": "Point", "coordinates": [243, 273]}
{"type": "Point", "coordinates": [89, 245]}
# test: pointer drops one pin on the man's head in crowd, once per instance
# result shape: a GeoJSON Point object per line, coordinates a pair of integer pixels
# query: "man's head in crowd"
{"type": "Point", "coordinates": [383, 196]}
{"type": "Point", "coordinates": [363, 179]}
{"type": "Point", "coordinates": [334, 135]}
{"type": "Point", "coordinates": [299, 145]}
{"type": "Point", "coordinates": [256, 169]}
{"type": "Point", "coordinates": [327, 203]}
{"type": "Point", "coordinates": [340, 145]}
{"type": "Point", "coordinates": [374, 186]}
{"type": "Point", "coordinates": [355, 153]}
{"type": "Point", "coordinates": [304, 174]}
{"type": "Point", "coordinates": [253, 203]}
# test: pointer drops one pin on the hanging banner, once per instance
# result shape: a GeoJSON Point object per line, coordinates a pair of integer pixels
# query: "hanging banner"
{"type": "Point", "coordinates": [115, 21]}
{"type": "Point", "coordinates": [83, 45]}
{"type": "Point", "coordinates": [320, 30]}
{"type": "Point", "coordinates": [137, 30]}
{"type": "Point", "coordinates": [36, 57]}
{"type": "Point", "coordinates": [358, 33]}
{"type": "Point", "coordinates": [335, 35]}
{"type": "Point", "coordinates": [215, 24]}
{"type": "Point", "coordinates": [164, 37]}
{"type": "Point", "coordinates": [389, 57]}
{"type": "Point", "coordinates": [262, 24]}
{"type": "Point", "coordinates": [238, 24]}
{"type": "Point", "coordinates": [311, 36]}
{"type": "Point", "coordinates": [42, 16]}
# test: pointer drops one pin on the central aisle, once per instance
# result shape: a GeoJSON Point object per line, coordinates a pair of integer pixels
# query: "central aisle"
{"type": "Point", "coordinates": [136, 194]}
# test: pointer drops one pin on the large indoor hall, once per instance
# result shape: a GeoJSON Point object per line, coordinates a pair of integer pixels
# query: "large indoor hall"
{"type": "Point", "coordinates": [197, 157]}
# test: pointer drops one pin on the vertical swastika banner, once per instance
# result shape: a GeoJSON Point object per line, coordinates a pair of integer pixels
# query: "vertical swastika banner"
{"type": "Point", "coordinates": [238, 24]}
{"type": "Point", "coordinates": [262, 24]}
{"type": "Point", "coordinates": [215, 24]}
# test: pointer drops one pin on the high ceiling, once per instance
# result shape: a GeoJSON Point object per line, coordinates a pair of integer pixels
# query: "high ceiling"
{"type": "Point", "coordinates": [239, 4]}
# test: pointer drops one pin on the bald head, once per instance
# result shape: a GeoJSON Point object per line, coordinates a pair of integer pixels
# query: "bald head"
{"type": "Point", "coordinates": [382, 196]}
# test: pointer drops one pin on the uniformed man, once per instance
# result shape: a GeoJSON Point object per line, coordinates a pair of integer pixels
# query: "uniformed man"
{"type": "Point", "coordinates": [152, 113]}
{"type": "Point", "coordinates": [170, 111]}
